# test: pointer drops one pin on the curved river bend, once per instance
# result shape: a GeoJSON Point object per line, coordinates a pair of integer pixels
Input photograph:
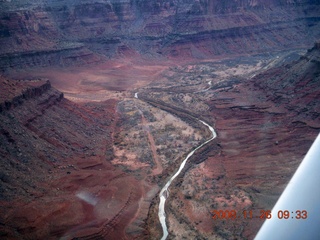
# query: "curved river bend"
{"type": "Point", "coordinates": [164, 193]}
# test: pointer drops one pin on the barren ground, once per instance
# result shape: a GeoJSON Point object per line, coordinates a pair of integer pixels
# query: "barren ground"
{"type": "Point", "coordinates": [152, 134]}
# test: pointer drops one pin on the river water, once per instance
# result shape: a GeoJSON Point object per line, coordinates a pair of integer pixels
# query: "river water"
{"type": "Point", "coordinates": [164, 193]}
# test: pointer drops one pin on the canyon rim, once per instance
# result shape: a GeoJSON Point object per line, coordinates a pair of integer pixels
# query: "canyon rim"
{"type": "Point", "coordinates": [100, 102]}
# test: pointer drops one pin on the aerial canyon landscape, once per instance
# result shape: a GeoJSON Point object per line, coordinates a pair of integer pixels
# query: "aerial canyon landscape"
{"type": "Point", "coordinates": [138, 119]}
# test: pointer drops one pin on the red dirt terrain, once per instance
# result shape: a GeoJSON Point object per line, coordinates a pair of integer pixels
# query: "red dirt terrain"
{"type": "Point", "coordinates": [82, 157]}
{"type": "Point", "coordinates": [55, 149]}
{"type": "Point", "coordinates": [111, 79]}
{"type": "Point", "coordinates": [84, 189]}
{"type": "Point", "coordinates": [72, 171]}
{"type": "Point", "coordinates": [260, 143]}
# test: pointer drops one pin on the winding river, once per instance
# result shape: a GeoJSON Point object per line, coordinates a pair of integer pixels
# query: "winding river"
{"type": "Point", "coordinates": [164, 193]}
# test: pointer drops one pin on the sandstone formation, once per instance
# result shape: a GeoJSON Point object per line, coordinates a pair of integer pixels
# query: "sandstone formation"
{"type": "Point", "coordinates": [68, 32]}
{"type": "Point", "coordinates": [52, 149]}
{"type": "Point", "coordinates": [100, 102]}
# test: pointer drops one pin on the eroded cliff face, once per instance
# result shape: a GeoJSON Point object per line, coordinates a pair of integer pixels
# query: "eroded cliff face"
{"type": "Point", "coordinates": [31, 38]}
{"type": "Point", "coordinates": [93, 170]}
{"type": "Point", "coordinates": [55, 166]}
{"type": "Point", "coordinates": [81, 32]}
{"type": "Point", "coordinates": [295, 87]}
{"type": "Point", "coordinates": [265, 125]}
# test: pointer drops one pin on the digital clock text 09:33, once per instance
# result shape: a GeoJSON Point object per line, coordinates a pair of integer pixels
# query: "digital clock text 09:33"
{"type": "Point", "coordinates": [264, 214]}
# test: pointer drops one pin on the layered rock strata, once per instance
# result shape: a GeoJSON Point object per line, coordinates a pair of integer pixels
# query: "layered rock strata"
{"type": "Point", "coordinates": [56, 180]}
{"type": "Point", "coordinates": [68, 32]}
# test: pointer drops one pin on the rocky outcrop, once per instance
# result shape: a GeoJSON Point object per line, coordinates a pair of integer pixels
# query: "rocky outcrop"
{"type": "Point", "coordinates": [29, 90]}
{"type": "Point", "coordinates": [51, 149]}
{"type": "Point", "coordinates": [265, 125]}
{"type": "Point", "coordinates": [32, 39]}
{"type": "Point", "coordinates": [80, 32]}
{"type": "Point", "coordinates": [69, 56]}
{"type": "Point", "coordinates": [196, 30]}
{"type": "Point", "coordinates": [296, 87]}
